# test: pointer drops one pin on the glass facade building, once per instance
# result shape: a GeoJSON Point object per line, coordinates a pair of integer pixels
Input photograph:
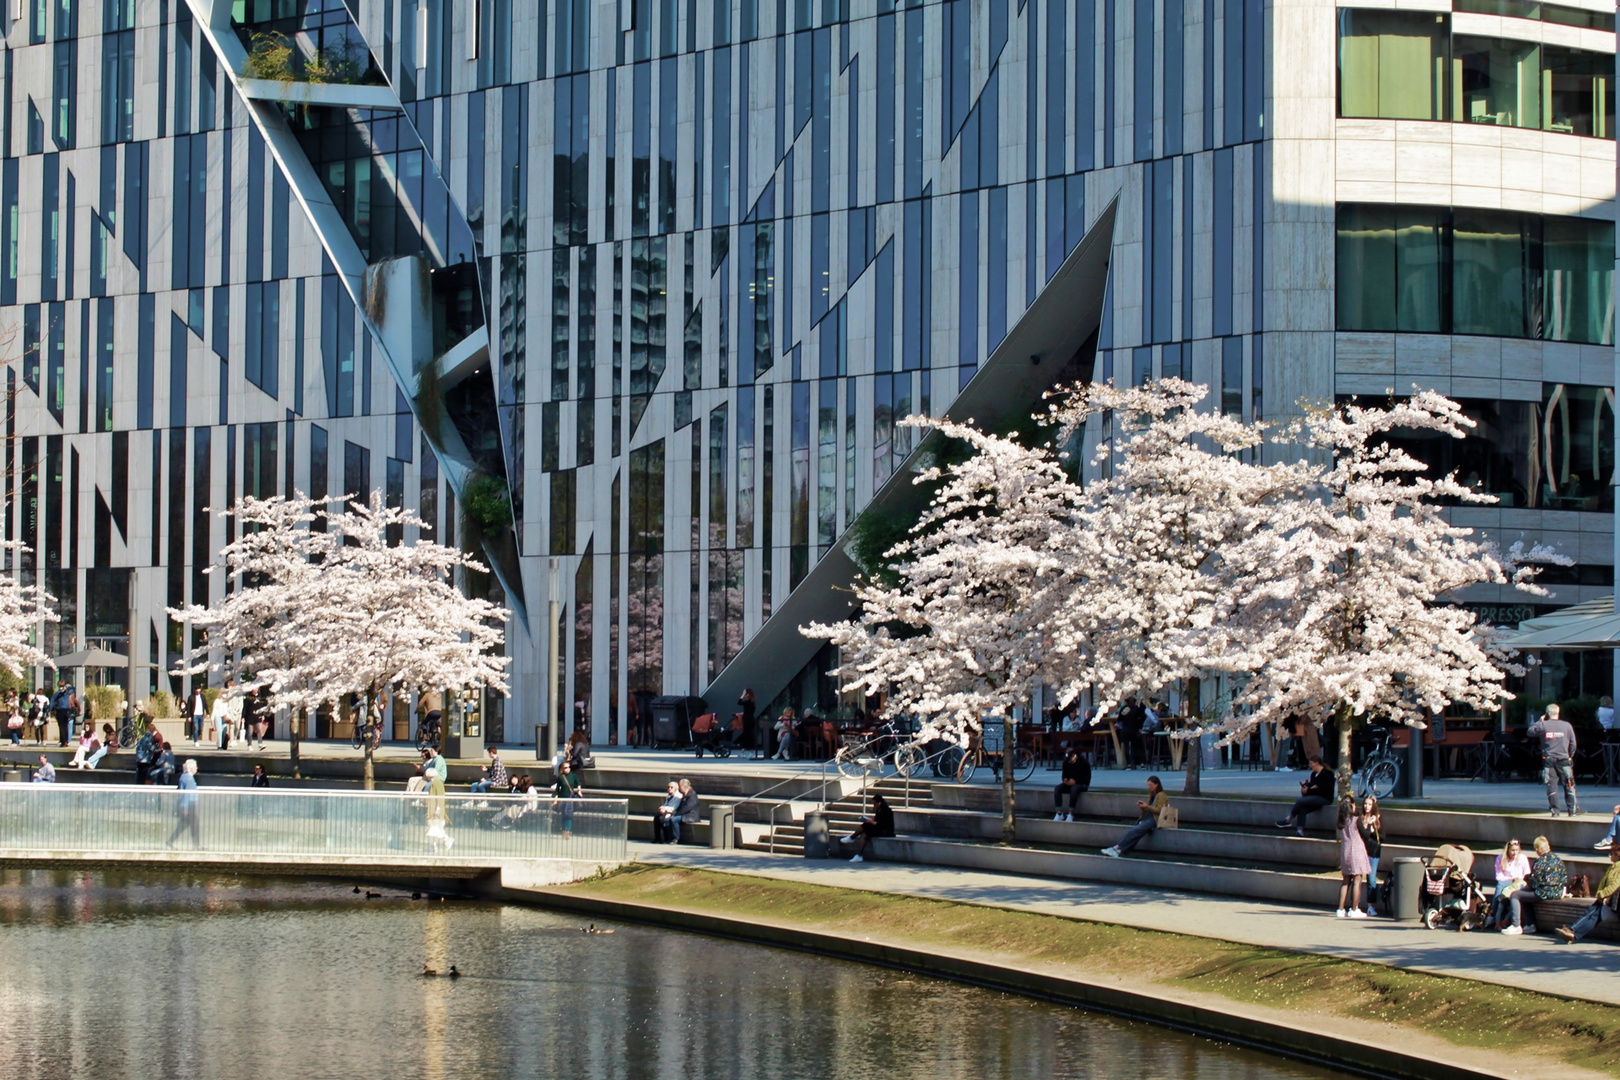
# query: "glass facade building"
{"type": "Point", "coordinates": [755, 235]}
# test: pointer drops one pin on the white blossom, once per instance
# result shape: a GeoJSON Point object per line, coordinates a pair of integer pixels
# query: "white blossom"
{"type": "Point", "coordinates": [22, 609]}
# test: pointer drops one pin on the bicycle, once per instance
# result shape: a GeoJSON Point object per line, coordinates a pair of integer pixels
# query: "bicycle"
{"type": "Point", "coordinates": [134, 730]}
{"type": "Point", "coordinates": [1380, 769]}
{"type": "Point", "coordinates": [427, 736]}
{"type": "Point", "coordinates": [964, 763]}
{"type": "Point", "coordinates": [371, 731]}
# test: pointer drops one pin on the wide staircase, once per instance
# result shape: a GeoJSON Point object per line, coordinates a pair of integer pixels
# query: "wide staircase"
{"type": "Point", "coordinates": [1225, 845]}
{"type": "Point", "coordinates": [786, 837]}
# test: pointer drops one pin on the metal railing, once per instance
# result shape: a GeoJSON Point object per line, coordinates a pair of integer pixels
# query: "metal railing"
{"type": "Point", "coordinates": [97, 818]}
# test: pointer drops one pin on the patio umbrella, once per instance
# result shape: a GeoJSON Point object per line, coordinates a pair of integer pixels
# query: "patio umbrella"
{"type": "Point", "coordinates": [1581, 627]}
{"type": "Point", "coordinates": [91, 658]}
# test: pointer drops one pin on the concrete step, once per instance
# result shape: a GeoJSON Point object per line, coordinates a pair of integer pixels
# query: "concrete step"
{"type": "Point", "coordinates": [1421, 828]}
{"type": "Point", "coordinates": [1168, 873]}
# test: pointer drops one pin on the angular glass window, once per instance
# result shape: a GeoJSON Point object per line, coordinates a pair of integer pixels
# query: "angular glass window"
{"type": "Point", "coordinates": [1392, 64]}
{"type": "Point", "coordinates": [1578, 280]}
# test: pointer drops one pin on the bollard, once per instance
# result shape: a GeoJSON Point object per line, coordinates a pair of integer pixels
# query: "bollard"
{"type": "Point", "coordinates": [540, 744]}
{"type": "Point", "coordinates": [720, 826]}
{"type": "Point", "coordinates": [1406, 889]}
{"type": "Point", "coordinates": [817, 836]}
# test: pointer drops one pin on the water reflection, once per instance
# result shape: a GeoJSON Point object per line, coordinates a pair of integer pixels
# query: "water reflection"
{"type": "Point", "coordinates": [121, 976]}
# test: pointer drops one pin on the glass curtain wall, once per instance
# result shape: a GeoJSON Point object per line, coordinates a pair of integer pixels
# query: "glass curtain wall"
{"type": "Point", "coordinates": [1417, 269]}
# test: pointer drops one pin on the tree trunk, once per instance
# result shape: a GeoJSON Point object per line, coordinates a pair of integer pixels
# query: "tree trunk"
{"type": "Point", "coordinates": [1009, 736]}
{"type": "Point", "coordinates": [368, 774]}
{"type": "Point", "coordinates": [294, 722]}
{"type": "Point", "coordinates": [1194, 748]}
{"type": "Point", "coordinates": [1342, 773]}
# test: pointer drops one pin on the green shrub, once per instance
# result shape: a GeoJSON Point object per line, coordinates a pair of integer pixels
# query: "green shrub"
{"type": "Point", "coordinates": [106, 702]}
{"type": "Point", "coordinates": [162, 705]}
{"type": "Point", "coordinates": [270, 58]}
{"type": "Point", "coordinates": [485, 502]}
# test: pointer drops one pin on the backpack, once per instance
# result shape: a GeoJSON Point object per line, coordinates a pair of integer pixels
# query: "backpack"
{"type": "Point", "coordinates": [1580, 886]}
{"type": "Point", "coordinates": [60, 701]}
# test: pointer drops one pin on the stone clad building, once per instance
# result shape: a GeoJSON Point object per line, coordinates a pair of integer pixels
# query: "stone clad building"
{"type": "Point", "coordinates": [630, 294]}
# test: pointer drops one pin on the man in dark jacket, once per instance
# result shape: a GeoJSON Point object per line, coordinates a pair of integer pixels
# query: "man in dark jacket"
{"type": "Point", "coordinates": [147, 749]}
{"type": "Point", "coordinates": [1557, 741]}
{"type": "Point", "coordinates": [1315, 793]}
{"type": "Point", "coordinates": [1076, 779]}
{"type": "Point", "coordinates": [1131, 718]}
{"type": "Point", "coordinates": [688, 812]}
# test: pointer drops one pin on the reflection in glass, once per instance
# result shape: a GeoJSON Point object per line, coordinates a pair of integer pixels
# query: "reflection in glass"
{"type": "Point", "coordinates": [1497, 81]}
{"type": "Point", "coordinates": [1492, 260]}
{"type": "Point", "coordinates": [1578, 280]}
{"type": "Point", "coordinates": [1392, 264]}
{"type": "Point", "coordinates": [1577, 92]}
{"type": "Point", "coordinates": [1577, 444]}
{"type": "Point", "coordinates": [1392, 64]}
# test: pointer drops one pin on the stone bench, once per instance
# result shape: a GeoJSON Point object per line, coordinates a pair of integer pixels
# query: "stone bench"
{"type": "Point", "coordinates": [1547, 914]}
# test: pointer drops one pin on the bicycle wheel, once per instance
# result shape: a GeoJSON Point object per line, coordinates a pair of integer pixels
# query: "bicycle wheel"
{"type": "Point", "coordinates": [848, 763]}
{"type": "Point", "coordinates": [966, 766]}
{"type": "Point", "coordinates": [1382, 777]}
{"type": "Point", "coordinates": [126, 735]}
{"type": "Point", "coordinates": [908, 759]}
{"type": "Point", "coordinates": [1023, 763]}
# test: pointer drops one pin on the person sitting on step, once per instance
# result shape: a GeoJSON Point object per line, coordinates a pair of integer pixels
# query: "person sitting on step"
{"type": "Point", "coordinates": [1315, 793]}
{"type": "Point", "coordinates": [1076, 781]}
{"type": "Point", "coordinates": [1146, 824]}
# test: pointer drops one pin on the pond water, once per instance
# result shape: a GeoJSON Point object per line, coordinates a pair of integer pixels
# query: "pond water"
{"type": "Point", "coordinates": [114, 976]}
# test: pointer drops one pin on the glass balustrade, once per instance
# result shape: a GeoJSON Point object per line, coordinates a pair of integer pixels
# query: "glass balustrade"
{"type": "Point", "coordinates": [71, 819]}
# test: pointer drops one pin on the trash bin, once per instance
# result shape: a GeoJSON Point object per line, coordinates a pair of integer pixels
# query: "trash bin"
{"type": "Point", "coordinates": [12, 776]}
{"type": "Point", "coordinates": [817, 836]}
{"type": "Point", "coordinates": [672, 716]}
{"type": "Point", "coordinates": [1406, 890]}
{"type": "Point", "coordinates": [720, 826]}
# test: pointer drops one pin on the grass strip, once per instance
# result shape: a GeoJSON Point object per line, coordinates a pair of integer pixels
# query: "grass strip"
{"type": "Point", "coordinates": [1464, 1012]}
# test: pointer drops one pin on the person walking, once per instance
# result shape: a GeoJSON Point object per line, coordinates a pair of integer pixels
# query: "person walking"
{"type": "Point", "coordinates": [1557, 741]}
{"type": "Point", "coordinates": [188, 807]}
{"type": "Point", "coordinates": [435, 772]}
{"type": "Point", "coordinates": [1370, 824]}
{"type": "Point", "coordinates": [62, 710]}
{"type": "Point", "coordinates": [747, 708]}
{"type": "Point", "coordinates": [1076, 782]}
{"type": "Point", "coordinates": [1146, 824]}
{"type": "Point", "coordinates": [199, 713]}
{"type": "Point", "coordinates": [39, 712]}
{"type": "Point", "coordinates": [566, 790]}
{"type": "Point", "coordinates": [1315, 793]}
{"type": "Point", "coordinates": [1353, 865]}
{"type": "Point", "coordinates": [15, 720]}
{"type": "Point", "coordinates": [1512, 875]}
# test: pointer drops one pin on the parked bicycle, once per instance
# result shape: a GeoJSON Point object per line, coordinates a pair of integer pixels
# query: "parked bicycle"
{"type": "Point", "coordinates": [134, 730]}
{"type": "Point", "coordinates": [1380, 769]}
{"type": "Point", "coordinates": [961, 764]}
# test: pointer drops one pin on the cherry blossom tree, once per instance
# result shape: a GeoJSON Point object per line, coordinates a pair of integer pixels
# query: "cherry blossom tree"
{"type": "Point", "coordinates": [320, 614]}
{"type": "Point", "coordinates": [22, 609]}
{"type": "Point", "coordinates": [1348, 593]}
{"type": "Point", "coordinates": [398, 619]}
{"type": "Point", "coordinates": [265, 633]}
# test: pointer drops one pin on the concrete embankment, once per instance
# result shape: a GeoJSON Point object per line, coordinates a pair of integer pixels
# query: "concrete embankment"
{"type": "Point", "coordinates": [1211, 988]}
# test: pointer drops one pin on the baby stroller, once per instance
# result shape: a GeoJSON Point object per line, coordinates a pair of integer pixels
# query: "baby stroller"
{"type": "Point", "coordinates": [1451, 893]}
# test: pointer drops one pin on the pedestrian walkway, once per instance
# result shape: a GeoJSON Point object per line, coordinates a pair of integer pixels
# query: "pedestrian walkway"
{"type": "Point", "coordinates": [1541, 964]}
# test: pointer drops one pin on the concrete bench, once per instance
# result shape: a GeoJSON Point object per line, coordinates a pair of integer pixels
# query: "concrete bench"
{"type": "Point", "coordinates": [1547, 914]}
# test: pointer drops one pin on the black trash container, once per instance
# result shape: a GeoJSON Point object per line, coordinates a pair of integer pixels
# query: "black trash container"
{"type": "Point", "coordinates": [672, 717]}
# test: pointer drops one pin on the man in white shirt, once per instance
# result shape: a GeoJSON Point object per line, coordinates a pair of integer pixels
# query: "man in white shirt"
{"type": "Point", "coordinates": [1605, 713]}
